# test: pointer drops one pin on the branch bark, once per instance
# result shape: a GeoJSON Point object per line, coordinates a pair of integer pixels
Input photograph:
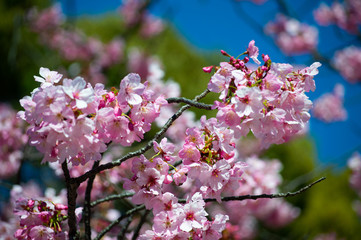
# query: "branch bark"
{"type": "Point", "coordinates": [71, 188]}
{"type": "Point", "coordinates": [87, 204]}
{"type": "Point", "coordinates": [254, 197]}
{"type": "Point", "coordinates": [127, 214]}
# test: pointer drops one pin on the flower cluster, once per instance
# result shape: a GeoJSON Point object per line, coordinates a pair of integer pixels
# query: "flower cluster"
{"type": "Point", "coordinates": [75, 121]}
{"type": "Point", "coordinates": [329, 107]}
{"type": "Point", "coordinates": [73, 45]}
{"type": "Point", "coordinates": [40, 219]}
{"type": "Point", "coordinates": [209, 157]}
{"type": "Point", "coordinates": [172, 219]}
{"type": "Point", "coordinates": [348, 62]}
{"type": "Point", "coordinates": [270, 101]}
{"type": "Point", "coordinates": [176, 221]}
{"type": "Point", "coordinates": [12, 140]}
{"type": "Point", "coordinates": [292, 36]}
{"type": "Point", "coordinates": [346, 15]}
{"type": "Point", "coordinates": [30, 214]}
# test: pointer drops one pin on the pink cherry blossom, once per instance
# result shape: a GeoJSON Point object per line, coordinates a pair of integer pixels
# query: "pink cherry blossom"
{"type": "Point", "coordinates": [48, 77]}
{"type": "Point", "coordinates": [131, 89]}
{"type": "Point", "coordinates": [76, 90]}
{"type": "Point", "coordinates": [292, 36]}
{"type": "Point", "coordinates": [329, 107]}
{"type": "Point", "coordinates": [253, 52]}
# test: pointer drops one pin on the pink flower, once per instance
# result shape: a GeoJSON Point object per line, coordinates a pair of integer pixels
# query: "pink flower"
{"type": "Point", "coordinates": [253, 52]}
{"type": "Point", "coordinates": [76, 90]}
{"type": "Point", "coordinates": [180, 176]}
{"type": "Point", "coordinates": [309, 73]}
{"type": "Point", "coordinates": [131, 89]}
{"type": "Point", "coordinates": [189, 153]}
{"type": "Point", "coordinates": [193, 213]}
{"type": "Point", "coordinates": [292, 36]}
{"type": "Point", "coordinates": [329, 107]}
{"type": "Point", "coordinates": [348, 62]}
{"type": "Point", "coordinates": [165, 222]}
{"type": "Point", "coordinates": [48, 77]}
{"type": "Point", "coordinates": [248, 102]}
{"type": "Point", "coordinates": [215, 176]}
{"type": "Point", "coordinates": [213, 230]}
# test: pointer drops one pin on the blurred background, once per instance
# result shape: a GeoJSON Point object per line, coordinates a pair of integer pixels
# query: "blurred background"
{"type": "Point", "coordinates": [103, 41]}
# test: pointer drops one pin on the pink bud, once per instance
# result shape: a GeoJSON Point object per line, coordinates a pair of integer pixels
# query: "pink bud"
{"type": "Point", "coordinates": [60, 206]}
{"type": "Point", "coordinates": [168, 179]}
{"type": "Point", "coordinates": [31, 203]}
{"type": "Point", "coordinates": [224, 53]}
{"type": "Point", "coordinates": [207, 69]}
{"type": "Point", "coordinates": [265, 57]}
{"type": "Point", "coordinates": [110, 97]}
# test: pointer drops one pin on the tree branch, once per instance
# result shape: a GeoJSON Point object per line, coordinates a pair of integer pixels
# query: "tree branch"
{"type": "Point", "coordinates": [71, 188]}
{"type": "Point", "coordinates": [111, 225]}
{"type": "Point", "coordinates": [111, 197]}
{"type": "Point", "coordinates": [87, 204]}
{"type": "Point", "coordinates": [121, 235]}
{"type": "Point", "coordinates": [139, 152]}
{"type": "Point", "coordinates": [254, 197]}
{"type": "Point", "coordinates": [140, 224]}
{"type": "Point", "coordinates": [190, 102]}
{"type": "Point", "coordinates": [225, 199]}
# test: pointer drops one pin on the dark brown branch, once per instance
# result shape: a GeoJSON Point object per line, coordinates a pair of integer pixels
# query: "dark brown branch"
{"type": "Point", "coordinates": [71, 188]}
{"type": "Point", "coordinates": [121, 235]}
{"type": "Point", "coordinates": [87, 205]}
{"type": "Point", "coordinates": [190, 102]}
{"type": "Point", "coordinates": [141, 151]}
{"type": "Point", "coordinates": [111, 197]}
{"type": "Point", "coordinates": [140, 224]}
{"type": "Point", "coordinates": [231, 198]}
{"type": "Point", "coordinates": [254, 197]}
{"type": "Point", "coordinates": [127, 214]}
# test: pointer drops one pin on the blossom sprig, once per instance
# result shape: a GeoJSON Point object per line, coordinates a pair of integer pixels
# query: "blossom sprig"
{"type": "Point", "coordinates": [347, 61]}
{"type": "Point", "coordinates": [178, 221]}
{"type": "Point", "coordinates": [75, 121]}
{"type": "Point", "coordinates": [330, 107]}
{"type": "Point", "coordinates": [41, 219]}
{"type": "Point", "coordinates": [270, 101]}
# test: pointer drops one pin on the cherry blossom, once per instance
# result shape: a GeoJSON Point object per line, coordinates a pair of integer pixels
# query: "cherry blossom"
{"type": "Point", "coordinates": [329, 107]}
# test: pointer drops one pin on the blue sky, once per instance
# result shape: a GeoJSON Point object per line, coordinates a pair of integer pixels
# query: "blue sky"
{"type": "Point", "coordinates": [211, 25]}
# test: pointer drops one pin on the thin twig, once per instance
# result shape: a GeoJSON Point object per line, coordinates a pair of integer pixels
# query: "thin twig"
{"type": "Point", "coordinates": [125, 228]}
{"type": "Point", "coordinates": [254, 197]}
{"type": "Point", "coordinates": [190, 102]}
{"type": "Point", "coordinates": [140, 224]}
{"type": "Point", "coordinates": [111, 225]}
{"type": "Point", "coordinates": [71, 188]}
{"type": "Point", "coordinates": [87, 205]}
{"type": "Point", "coordinates": [111, 198]}
{"type": "Point", "coordinates": [139, 152]}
